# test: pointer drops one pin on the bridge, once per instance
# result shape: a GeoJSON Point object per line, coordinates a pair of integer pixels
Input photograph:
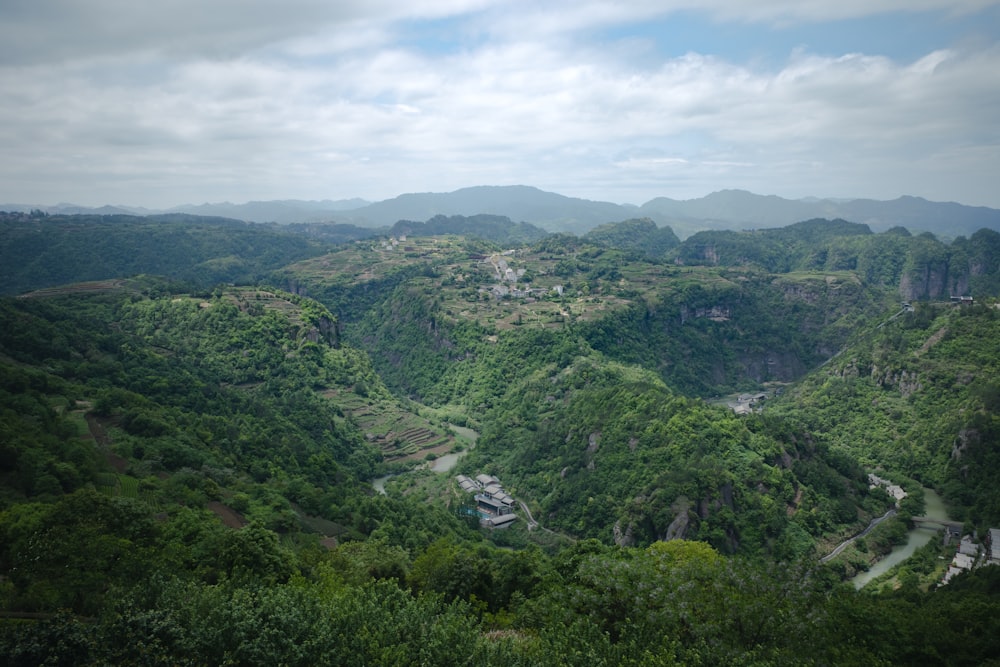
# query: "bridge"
{"type": "Point", "coordinates": [953, 527]}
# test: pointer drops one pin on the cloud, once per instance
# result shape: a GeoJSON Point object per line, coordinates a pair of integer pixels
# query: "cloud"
{"type": "Point", "coordinates": [572, 16]}
{"type": "Point", "coordinates": [317, 99]}
{"type": "Point", "coordinates": [57, 30]}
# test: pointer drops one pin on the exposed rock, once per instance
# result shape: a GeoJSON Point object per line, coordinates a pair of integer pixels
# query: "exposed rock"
{"type": "Point", "coordinates": [678, 527]}
{"type": "Point", "coordinates": [965, 437]}
{"type": "Point", "coordinates": [717, 313]}
{"type": "Point", "coordinates": [623, 539]}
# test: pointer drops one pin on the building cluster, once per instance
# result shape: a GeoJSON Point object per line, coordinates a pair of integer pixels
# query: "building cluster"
{"type": "Point", "coordinates": [494, 505]}
{"type": "Point", "coordinates": [894, 490]}
{"type": "Point", "coordinates": [969, 554]}
{"type": "Point", "coordinates": [745, 403]}
{"type": "Point", "coordinates": [508, 277]}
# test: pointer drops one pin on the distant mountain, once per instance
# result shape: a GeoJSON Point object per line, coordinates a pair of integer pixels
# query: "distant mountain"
{"type": "Point", "coordinates": [283, 211]}
{"type": "Point", "coordinates": [723, 210]}
{"type": "Point", "coordinates": [520, 203]}
{"type": "Point", "coordinates": [738, 209]}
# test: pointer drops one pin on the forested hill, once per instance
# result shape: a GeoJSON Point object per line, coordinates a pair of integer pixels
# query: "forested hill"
{"type": "Point", "coordinates": [602, 447]}
{"type": "Point", "coordinates": [919, 395]}
{"type": "Point", "coordinates": [47, 251]}
{"type": "Point", "coordinates": [185, 471]}
{"type": "Point", "coordinates": [921, 267]}
{"type": "Point", "coordinates": [144, 427]}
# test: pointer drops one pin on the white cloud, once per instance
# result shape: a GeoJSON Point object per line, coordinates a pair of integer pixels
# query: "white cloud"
{"type": "Point", "coordinates": [322, 99]}
{"type": "Point", "coordinates": [55, 30]}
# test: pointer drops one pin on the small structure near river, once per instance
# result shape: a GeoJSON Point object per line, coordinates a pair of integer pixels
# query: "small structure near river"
{"type": "Point", "coordinates": [494, 505]}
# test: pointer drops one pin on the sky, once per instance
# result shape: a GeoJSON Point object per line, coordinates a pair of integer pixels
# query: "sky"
{"type": "Point", "coordinates": [186, 101]}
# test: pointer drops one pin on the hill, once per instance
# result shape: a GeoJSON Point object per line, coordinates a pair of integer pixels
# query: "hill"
{"type": "Point", "coordinates": [919, 395]}
{"type": "Point", "coordinates": [549, 210]}
{"type": "Point", "coordinates": [184, 472]}
{"type": "Point", "coordinates": [46, 251]}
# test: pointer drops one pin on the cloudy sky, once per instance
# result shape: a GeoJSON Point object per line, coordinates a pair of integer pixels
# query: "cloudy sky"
{"type": "Point", "coordinates": [187, 101]}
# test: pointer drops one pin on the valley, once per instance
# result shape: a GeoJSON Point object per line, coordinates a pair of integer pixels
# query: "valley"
{"type": "Point", "coordinates": [248, 395]}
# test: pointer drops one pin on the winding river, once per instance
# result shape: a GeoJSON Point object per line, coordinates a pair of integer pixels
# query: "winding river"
{"type": "Point", "coordinates": [918, 537]}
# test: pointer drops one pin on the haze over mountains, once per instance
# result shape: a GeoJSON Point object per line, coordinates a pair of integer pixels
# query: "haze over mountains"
{"type": "Point", "coordinates": [725, 209]}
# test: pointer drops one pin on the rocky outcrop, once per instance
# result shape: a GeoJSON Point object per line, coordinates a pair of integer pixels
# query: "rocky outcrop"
{"type": "Point", "coordinates": [677, 529]}
{"type": "Point", "coordinates": [935, 281]}
{"type": "Point", "coordinates": [623, 538]}
{"type": "Point", "coordinates": [325, 329]}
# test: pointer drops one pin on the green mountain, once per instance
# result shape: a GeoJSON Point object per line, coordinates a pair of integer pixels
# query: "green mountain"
{"type": "Point", "coordinates": [48, 251]}
{"type": "Point", "coordinates": [184, 469]}
{"type": "Point", "coordinates": [919, 395]}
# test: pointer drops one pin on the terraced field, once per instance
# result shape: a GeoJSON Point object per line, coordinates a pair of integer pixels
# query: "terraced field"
{"type": "Point", "coordinates": [399, 434]}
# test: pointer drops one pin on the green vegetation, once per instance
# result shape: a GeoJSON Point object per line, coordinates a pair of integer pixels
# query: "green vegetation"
{"type": "Point", "coordinates": [185, 466]}
{"type": "Point", "coordinates": [57, 250]}
{"type": "Point", "coordinates": [917, 396]}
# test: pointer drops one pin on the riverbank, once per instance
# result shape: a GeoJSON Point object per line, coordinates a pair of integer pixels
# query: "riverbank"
{"type": "Point", "coordinates": [934, 508]}
{"type": "Point", "coordinates": [843, 545]}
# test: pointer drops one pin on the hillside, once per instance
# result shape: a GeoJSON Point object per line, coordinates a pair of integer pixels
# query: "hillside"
{"type": "Point", "coordinates": [920, 396]}
{"type": "Point", "coordinates": [428, 308]}
{"type": "Point", "coordinates": [47, 251]}
{"type": "Point", "coordinates": [185, 469]}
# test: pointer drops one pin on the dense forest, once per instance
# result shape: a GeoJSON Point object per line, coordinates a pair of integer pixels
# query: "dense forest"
{"type": "Point", "coordinates": [194, 410]}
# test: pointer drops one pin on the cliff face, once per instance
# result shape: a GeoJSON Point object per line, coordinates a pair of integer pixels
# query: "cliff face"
{"type": "Point", "coordinates": [935, 281]}
{"type": "Point", "coordinates": [327, 330]}
{"type": "Point", "coordinates": [926, 281]}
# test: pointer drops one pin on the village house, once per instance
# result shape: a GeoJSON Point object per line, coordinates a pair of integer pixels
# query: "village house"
{"type": "Point", "coordinates": [993, 546]}
{"type": "Point", "coordinates": [494, 505]}
{"type": "Point", "coordinates": [968, 556]}
{"type": "Point", "coordinates": [745, 403]}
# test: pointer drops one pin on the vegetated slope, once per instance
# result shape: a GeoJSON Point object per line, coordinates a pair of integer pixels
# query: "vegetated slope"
{"type": "Point", "coordinates": [714, 332]}
{"type": "Point", "coordinates": [919, 267]}
{"type": "Point", "coordinates": [495, 228]}
{"type": "Point", "coordinates": [231, 399]}
{"type": "Point", "coordinates": [705, 330]}
{"type": "Point", "coordinates": [918, 396]}
{"type": "Point", "coordinates": [607, 451]}
{"type": "Point", "coordinates": [246, 391]}
{"type": "Point", "coordinates": [57, 250]}
{"type": "Point", "coordinates": [639, 235]}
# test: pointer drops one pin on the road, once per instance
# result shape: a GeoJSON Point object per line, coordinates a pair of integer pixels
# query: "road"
{"type": "Point", "coordinates": [843, 545]}
{"type": "Point", "coordinates": [531, 520]}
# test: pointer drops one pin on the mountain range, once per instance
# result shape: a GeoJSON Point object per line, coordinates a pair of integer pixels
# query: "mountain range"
{"type": "Point", "coordinates": [725, 209]}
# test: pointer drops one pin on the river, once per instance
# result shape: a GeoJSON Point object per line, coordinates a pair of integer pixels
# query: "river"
{"type": "Point", "coordinates": [442, 463]}
{"type": "Point", "coordinates": [918, 537]}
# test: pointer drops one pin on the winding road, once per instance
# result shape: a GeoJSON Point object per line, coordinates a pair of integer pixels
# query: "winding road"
{"type": "Point", "coordinates": [531, 520]}
{"type": "Point", "coordinates": [843, 545]}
